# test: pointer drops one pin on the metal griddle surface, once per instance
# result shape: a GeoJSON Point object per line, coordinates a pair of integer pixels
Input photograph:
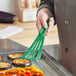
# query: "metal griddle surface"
{"type": "Point", "coordinates": [48, 64]}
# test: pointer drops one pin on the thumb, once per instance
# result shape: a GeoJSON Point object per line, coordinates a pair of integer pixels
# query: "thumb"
{"type": "Point", "coordinates": [43, 21]}
{"type": "Point", "coordinates": [51, 23]}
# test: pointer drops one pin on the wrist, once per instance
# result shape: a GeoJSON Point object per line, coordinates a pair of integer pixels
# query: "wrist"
{"type": "Point", "coordinates": [45, 10]}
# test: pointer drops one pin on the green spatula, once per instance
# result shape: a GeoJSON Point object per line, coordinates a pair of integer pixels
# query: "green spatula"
{"type": "Point", "coordinates": [35, 50]}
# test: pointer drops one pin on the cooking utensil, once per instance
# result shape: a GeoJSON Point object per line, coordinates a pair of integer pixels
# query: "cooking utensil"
{"type": "Point", "coordinates": [35, 50]}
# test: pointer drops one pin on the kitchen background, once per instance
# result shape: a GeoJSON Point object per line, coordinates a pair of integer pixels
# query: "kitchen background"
{"type": "Point", "coordinates": [12, 6]}
{"type": "Point", "coordinates": [24, 9]}
{"type": "Point", "coordinates": [9, 6]}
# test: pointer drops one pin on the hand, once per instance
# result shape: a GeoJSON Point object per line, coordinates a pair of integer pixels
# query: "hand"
{"type": "Point", "coordinates": [42, 17]}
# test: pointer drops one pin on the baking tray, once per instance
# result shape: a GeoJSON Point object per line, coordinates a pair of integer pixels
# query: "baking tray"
{"type": "Point", "coordinates": [47, 63]}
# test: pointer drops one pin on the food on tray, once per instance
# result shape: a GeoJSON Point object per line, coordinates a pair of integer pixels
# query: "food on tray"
{"type": "Point", "coordinates": [14, 55]}
{"type": "Point", "coordinates": [27, 71]}
{"type": "Point", "coordinates": [22, 62]}
{"type": "Point", "coordinates": [1, 58]}
{"type": "Point", "coordinates": [5, 65]}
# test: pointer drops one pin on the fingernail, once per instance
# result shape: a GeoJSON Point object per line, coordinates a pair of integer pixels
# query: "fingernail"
{"type": "Point", "coordinates": [51, 23]}
{"type": "Point", "coordinates": [45, 26]}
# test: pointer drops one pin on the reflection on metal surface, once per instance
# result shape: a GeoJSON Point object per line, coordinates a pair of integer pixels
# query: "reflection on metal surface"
{"type": "Point", "coordinates": [9, 46]}
{"type": "Point", "coordinates": [48, 64]}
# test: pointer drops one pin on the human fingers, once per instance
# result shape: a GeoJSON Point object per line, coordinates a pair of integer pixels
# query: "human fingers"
{"type": "Point", "coordinates": [38, 24]}
{"type": "Point", "coordinates": [51, 23]}
{"type": "Point", "coordinates": [43, 20]}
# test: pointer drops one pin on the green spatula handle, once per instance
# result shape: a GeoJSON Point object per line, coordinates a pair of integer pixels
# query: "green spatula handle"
{"type": "Point", "coordinates": [43, 30]}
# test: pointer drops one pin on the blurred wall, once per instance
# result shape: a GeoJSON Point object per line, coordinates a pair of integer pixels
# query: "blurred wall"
{"type": "Point", "coordinates": [9, 6]}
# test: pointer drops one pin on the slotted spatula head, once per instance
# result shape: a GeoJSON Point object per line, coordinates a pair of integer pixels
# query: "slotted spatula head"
{"type": "Point", "coordinates": [35, 50]}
